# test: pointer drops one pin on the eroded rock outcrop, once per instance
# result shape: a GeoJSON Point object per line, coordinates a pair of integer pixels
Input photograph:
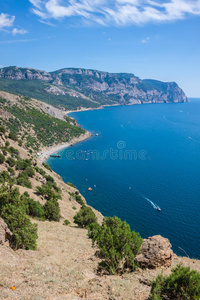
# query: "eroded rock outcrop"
{"type": "Point", "coordinates": [155, 252]}
{"type": "Point", "coordinates": [5, 233]}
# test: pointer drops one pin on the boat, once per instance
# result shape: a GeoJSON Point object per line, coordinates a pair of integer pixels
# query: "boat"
{"type": "Point", "coordinates": [158, 208]}
{"type": "Point", "coordinates": [89, 189]}
{"type": "Point", "coordinates": [55, 155]}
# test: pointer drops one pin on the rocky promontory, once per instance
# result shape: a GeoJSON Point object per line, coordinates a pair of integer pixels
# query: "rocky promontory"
{"type": "Point", "coordinates": [72, 88]}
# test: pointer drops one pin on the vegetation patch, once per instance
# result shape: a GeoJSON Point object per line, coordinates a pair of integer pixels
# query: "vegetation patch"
{"type": "Point", "coordinates": [85, 217]}
{"type": "Point", "coordinates": [182, 283]}
{"type": "Point", "coordinates": [13, 211]}
{"type": "Point", "coordinates": [117, 245]}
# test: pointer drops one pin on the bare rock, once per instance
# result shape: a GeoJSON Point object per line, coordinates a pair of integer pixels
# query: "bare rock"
{"type": "Point", "coordinates": [42, 179]}
{"type": "Point", "coordinates": [155, 252]}
{"type": "Point", "coordinates": [5, 233]}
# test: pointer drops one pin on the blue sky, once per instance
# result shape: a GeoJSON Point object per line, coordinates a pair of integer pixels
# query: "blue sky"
{"type": "Point", "coordinates": [158, 39]}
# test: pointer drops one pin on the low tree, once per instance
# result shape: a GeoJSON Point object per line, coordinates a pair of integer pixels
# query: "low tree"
{"type": "Point", "coordinates": [182, 283]}
{"type": "Point", "coordinates": [23, 179]}
{"type": "Point", "coordinates": [13, 136]}
{"type": "Point", "coordinates": [11, 161]}
{"type": "Point", "coordinates": [24, 232]}
{"type": "Point", "coordinates": [2, 158]}
{"type": "Point", "coordinates": [52, 210]}
{"type": "Point", "coordinates": [117, 245]}
{"type": "Point", "coordinates": [7, 144]}
{"type": "Point", "coordinates": [9, 196]}
{"type": "Point", "coordinates": [85, 217]}
{"type": "Point", "coordinates": [79, 200]}
{"type": "Point", "coordinates": [2, 129]}
{"type": "Point", "coordinates": [30, 171]}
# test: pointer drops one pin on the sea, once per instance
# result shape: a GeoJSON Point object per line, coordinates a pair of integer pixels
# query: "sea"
{"type": "Point", "coordinates": [141, 158]}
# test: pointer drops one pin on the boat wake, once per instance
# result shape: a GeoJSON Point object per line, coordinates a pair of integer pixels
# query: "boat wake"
{"type": "Point", "coordinates": [194, 139]}
{"type": "Point", "coordinates": [154, 205]}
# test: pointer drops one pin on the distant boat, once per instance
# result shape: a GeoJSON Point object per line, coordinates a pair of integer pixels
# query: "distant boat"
{"type": "Point", "coordinates": [55, 155]}
{"type": "Point", "coordinates": [89, 189]}
{"type": "Point", "coordinates": [158, 208]}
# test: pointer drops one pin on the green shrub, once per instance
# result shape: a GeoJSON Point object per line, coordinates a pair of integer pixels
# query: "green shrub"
{"type": "Point", "coordinates": [2, 158]}
{"type": "Point", "coordinates": [93, 231]}
{"type": "Point", "coordinates": [23, 164]}
{"type": "Point", "coordinates": [13, 136]}
{"type": "Point", "coordinates": [30, 171]}
{"type": "Point", "coordinates": [4, 152]}
{"type": "Point", "coordinates": [80, 200]}
{"type": "Point", "coordinates": [46, 191]}
{"type": "Point", "coordinates": [36, 209]}
{"type": "Point", "coordinates": [52, 210]}
{"type": "Point", "coordinates": [24, 232]}
{"type": "Point", "coordinates": [85, 217]}
{"type": "Point", "coordinates": [5, 177]}
{"type": "Point", "coordinates": [11, 171]}
{"type": "Point", "coordinates": [71, 184]}
{"type": "Point", "coordinates": [56, 188]}
{"type": "Point", "coordinates": [23, 180]}
{"type": "Point", "coordinates": [24, 202]}
{"type": "Point", "coordinates": [9, 196]}
{"type": "Point", "coordinates": [2, 129]}
{"type": "Point", "coordinates": [13, 150]}
{"type": "Point", "coordinates": [40, 171]}
{"type": "Point", "coordinates": [7, 143]}
{"type": "Point", "coordinates": [117, 245]}
{"type": "Point", "coordinates": [11, 161]}
{"type": "Point", "coordinates": [20, 143]}
{"type": "Point", "coordinates": [73, 207]}
{"type": "Point", "coordinates": [49, 178]}
{"type": "Point", "coordinates": [66, 222]}
{"type": "Point", "coordinates": [182, 284]}
{"type": "Point", "coordinates": [26, 194]}
{"type": "Point", "coordinates": [47, 166]}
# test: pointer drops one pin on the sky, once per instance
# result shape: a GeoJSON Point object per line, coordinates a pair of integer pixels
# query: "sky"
{"type": "Point", "coordinates": [156, 39]}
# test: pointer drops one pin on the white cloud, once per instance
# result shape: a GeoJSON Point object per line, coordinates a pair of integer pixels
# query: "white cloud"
{"type": "Point", "coordinates": [19, 31]}
{"type": "Point", "coordinates": [118, 12]}
{"type": "Point", "coordinates": [6, 20]}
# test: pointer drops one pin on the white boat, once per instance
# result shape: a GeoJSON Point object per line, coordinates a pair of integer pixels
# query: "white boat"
{"type": "Point", "coordinates": [158, 208]}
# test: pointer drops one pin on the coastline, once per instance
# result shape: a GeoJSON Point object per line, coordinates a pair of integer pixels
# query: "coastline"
{"type": "Point", "coordinates": [47, 151]}
{"type": "Point", "coordinates": [118, 104]}
{"type": "Point", "coordinates": [88, 109]}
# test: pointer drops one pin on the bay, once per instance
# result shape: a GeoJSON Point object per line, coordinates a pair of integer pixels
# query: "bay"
{"type": "Point", "coordinates": [141, 157]}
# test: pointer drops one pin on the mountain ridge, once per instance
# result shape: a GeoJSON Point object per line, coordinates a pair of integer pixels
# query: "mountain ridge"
{"type": "Point", "coordinates": [75, 88]}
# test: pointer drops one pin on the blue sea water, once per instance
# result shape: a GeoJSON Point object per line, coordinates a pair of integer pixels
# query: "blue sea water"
{"type": "Point", "coordinates": [144, 156]}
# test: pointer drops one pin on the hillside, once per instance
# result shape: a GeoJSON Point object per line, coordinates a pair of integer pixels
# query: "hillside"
{"type": "Point", "coordinates": [73, 89]}
{"type": "Point", "coordinates": [41, 258]}
{"type": "Point", "coordinates": [37, 124]}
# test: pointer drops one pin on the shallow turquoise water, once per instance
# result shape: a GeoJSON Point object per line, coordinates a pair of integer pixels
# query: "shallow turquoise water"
{"type": "Point", "coordinates": [142, 153]}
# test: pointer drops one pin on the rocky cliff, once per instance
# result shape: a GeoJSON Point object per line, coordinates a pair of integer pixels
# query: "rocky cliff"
{"type": "Point", "coordinates": [75, 88]}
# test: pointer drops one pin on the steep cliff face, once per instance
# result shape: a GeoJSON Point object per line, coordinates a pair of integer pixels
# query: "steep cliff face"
{"type": "Point", "coordinates": [91, 88]}
{"type": "Point", "coordinates": [16, 73]}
